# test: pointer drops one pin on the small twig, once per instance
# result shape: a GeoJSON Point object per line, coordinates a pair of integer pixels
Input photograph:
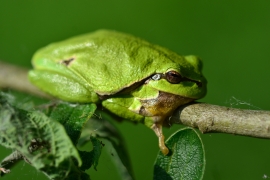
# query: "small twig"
{"type": "Point", "coordinates": [16, 156]}
{"type": "Point", "coordinates": [213, 118]}
{"type": "Point", "coordinates": [4, 170]}
{"type": "Point", "coordinates": [9, 162]}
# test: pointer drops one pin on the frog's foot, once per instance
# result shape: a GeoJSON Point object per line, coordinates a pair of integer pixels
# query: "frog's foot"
{"type": "Point", "coordinates": [157, 128]}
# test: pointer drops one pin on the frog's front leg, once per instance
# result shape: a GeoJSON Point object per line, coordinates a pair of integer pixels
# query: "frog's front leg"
{"type": "Point", "coordinates": [155, 123]}
{"type": "Point", "coordinates": [157, 128]}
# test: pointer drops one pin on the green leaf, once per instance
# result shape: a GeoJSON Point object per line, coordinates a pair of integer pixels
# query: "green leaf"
{"type": "Point", "coordinates": [76, 123]}
{"type": "Point", "coordinates": [92, 157]}
{"type": "Point", "coordinates": [72, 116]}
{"type": "Point", "coordinates": [41, 141]}
{"type": "Point", "coordinates": [186, 160]}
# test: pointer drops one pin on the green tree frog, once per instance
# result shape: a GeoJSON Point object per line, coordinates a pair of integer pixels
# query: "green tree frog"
{"type": "Point", "coordinates": [128, 76]}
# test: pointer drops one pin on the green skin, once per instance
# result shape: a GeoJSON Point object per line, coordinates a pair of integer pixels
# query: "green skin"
{"type": "Point", "coordinates": [125, 74]}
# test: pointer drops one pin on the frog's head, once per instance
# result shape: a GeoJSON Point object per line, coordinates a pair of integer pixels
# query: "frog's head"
{"type": "Point", "coordinates": [175, 83]}
{"type": "Point", "coordinates": [182, 77]}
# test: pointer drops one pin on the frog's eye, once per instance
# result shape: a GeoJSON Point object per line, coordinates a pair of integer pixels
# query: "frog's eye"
{"type": "Point", "coordinates": [173, 77]}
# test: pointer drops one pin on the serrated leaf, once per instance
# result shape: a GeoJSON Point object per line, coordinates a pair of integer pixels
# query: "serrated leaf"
{"type": "Point", "coordinates": [186, 160]}
{"type": "Point", "coordinates": [72, 116]}
{"type": "Point", "coordinates": [41, 141]}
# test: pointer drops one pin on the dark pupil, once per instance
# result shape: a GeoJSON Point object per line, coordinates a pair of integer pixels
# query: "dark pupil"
{"type": "Point", "coordinates": [173, 77]}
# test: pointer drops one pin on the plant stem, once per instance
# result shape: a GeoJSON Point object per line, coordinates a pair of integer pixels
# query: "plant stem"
{"type": "Point", "coordinates": [213, 118]}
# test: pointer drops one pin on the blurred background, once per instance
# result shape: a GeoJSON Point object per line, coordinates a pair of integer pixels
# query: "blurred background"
{"type": "Point", "coordinates": [231, 37]}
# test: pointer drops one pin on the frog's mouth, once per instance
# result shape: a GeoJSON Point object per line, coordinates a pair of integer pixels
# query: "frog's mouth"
{"type": "Point", "coordinates": [157, 77]}
{"type": "Point", "coordinates": [127, 89]}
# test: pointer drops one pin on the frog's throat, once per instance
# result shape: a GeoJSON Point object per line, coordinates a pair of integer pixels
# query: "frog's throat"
{"type": "Point", "coordinates": [162, 106]}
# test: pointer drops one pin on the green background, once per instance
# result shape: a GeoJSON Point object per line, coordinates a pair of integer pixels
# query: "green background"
{"type": "Point", "coordinates": [232, 38]}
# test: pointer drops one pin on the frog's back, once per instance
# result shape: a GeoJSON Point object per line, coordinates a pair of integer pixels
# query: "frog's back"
{"type": "Point", "coordinates": [108, 61]}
